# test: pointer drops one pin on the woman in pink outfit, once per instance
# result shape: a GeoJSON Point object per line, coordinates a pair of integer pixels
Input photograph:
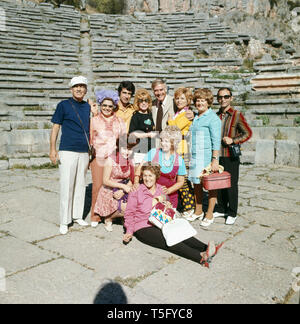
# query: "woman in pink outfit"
{"type": "Point", "coordinates": [118, 178]}
{"type": "Point", "coordinates": [139, 206]}
{"type": "Point", "coordinates": [106, 128]}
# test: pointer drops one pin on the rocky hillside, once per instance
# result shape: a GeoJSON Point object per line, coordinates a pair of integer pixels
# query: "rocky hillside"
{"type": "Point", "coordinates": [266, 20]}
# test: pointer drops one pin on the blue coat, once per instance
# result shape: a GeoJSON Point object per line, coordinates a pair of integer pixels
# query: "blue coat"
{"type": "Point", "coordinates": [205, 136]}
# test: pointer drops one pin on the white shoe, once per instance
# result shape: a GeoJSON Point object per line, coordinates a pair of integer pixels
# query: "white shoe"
{"type": "Point", "coordinates": [188, 213]}
{"type": "Point", "coordinates": [108, 226]}
{"type": "Point", "coordinates": [63, 229]}
{"type": "Point", "coordinates": [194, 217]}
{"type": "Point", "coordinates": [230, 220]}
{"type": "Point", "coordinates": [206, 222]}
{"type": "Point", "coordinates": [94, 224]}
{"type": "Point", "coordinates": [217, 214]}
{"type": "Point", "coordinates": [81, 222]}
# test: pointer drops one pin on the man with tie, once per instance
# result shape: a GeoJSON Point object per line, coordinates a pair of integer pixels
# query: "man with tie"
{"type": "Point", "coordinates": [163, 106]}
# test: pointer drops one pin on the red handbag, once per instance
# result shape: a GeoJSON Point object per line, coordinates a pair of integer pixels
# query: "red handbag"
{"type": "Point", "coordinates": [216, 181]}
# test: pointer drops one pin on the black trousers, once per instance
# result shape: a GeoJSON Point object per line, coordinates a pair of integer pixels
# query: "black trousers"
{"type": "Point", "coordinates": [189, 249]}
{"type": "Point", "coordinates": [228, 198]}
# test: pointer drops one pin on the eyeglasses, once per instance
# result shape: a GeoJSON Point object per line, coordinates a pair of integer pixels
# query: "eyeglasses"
{"type": "Point", "coordinates": [224, 97]}
{"type": "Point", "coordinates": [143, 100]}
{"type": "Point", "coordinates": [107, 106]}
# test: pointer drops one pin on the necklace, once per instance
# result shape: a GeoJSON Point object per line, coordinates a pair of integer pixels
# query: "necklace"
{"type": "Point", "coordinates": [167, 163]}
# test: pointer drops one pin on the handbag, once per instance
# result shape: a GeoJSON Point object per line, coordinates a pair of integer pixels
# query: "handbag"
{"type": "Point", "coordinates": [92, 153]}
{"type": "Point", "coordinates": [124, 199]}
{"type": "Point", "coordinates": [177, 231]}
{"type": "Point", "coordinates": [92, 150]}
{"type": "Point", "coordinates": [215, 180]}
{"type": "Point", "coordinates": [161, 215]}
{"type": "Point", "coordinates": [235, 150]}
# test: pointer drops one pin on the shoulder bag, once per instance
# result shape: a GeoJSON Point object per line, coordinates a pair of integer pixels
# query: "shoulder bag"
{"type": "Point", "coordinates": [235, 149]}
{"type": "Point", "coordinates": [92, 151]}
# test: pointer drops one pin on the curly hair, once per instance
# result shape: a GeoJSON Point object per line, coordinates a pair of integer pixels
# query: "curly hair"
{"type": "Point", "coordinates": [186, 92]}
{"type": "Point", "coordinates": [144, 95]}
{"type": "Point", "coordinates": [204, 94]}
{"type": "Point", "coordinates": [152, 167]}
{"type": "Point", "coordinates": [173, 134]}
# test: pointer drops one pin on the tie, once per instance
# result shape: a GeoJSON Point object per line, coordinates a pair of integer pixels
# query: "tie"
{"type": "Point", "coordinates": [159, 117]}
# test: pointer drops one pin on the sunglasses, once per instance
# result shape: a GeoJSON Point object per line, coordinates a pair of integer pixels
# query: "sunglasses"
{"type": "Point", "coordinates": [107, 106]}
{"type": "Point", "coordinates": [224, 97]}
{"type": "Point", "coordinates": [143, 100]}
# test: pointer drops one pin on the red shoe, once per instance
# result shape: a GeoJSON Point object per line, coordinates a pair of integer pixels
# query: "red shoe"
{"type": "Point", "coordinates": [210, 252]}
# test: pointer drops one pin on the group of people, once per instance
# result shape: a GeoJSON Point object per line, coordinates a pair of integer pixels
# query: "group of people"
{"type": "Point", "coordinates": [147, 152]}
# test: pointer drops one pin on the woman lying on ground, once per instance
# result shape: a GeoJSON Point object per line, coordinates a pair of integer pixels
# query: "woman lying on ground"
{"type": "Point", "coordinates": [139, 206]}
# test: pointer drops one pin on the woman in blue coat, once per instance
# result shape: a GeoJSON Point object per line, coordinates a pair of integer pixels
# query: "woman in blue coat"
{"type": "Point", "coordinates": [205, 140]}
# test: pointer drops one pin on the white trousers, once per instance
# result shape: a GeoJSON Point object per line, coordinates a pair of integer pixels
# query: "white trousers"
{"type": "Point", "coordinates": [72, 169]}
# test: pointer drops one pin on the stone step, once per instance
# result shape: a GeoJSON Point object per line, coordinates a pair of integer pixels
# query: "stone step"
{"type": "Point", "coordinates": [273, 102]}
{"type": "Point", "coordinates": [22, 125]}
{"type": "Point", "coordinates": [271, 82]}
{"type": "Point", "coordinates": [280, 93]}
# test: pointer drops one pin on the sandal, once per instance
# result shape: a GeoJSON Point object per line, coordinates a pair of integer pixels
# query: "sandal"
{"type": "Point", "coordinates": [108, 226]}
{"type": "Point", "coordinates": [210, 252]}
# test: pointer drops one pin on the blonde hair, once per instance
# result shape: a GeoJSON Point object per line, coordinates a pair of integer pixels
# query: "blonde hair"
{"type": "Point", "coordinates": [173, 134]}
{"type": "Point", "coordinates": [204, 94]}
{"type": "Point", "coordinates": [142, 94]}
{"type": "Point", "coordinates": [186, 92]}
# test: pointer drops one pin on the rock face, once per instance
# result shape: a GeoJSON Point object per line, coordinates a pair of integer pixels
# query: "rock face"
{"type": "Point", "coordinates": [278, 19]}
{"type": "Point", "coordinates": [212, 6]}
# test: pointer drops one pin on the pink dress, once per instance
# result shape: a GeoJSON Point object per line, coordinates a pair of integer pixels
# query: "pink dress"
{"type": "Point", "coordinates": [105, 134]}
{"type": "Point", "coordinates": [106, 204]}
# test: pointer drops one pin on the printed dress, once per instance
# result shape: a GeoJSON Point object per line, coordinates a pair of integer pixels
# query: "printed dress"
{"type": "Point", "coordinates": [106, 204]}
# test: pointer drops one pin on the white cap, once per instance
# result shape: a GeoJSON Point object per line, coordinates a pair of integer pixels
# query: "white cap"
{"type": "Point", "coordinates": [78, 80]}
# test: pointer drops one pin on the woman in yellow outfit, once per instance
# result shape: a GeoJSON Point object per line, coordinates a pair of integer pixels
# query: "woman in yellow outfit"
{"type": "Point", "coordinates": [183, 98]}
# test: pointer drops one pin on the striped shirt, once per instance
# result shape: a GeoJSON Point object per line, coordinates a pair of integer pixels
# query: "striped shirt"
{"type": "Point", "coordinates": [234, 125]}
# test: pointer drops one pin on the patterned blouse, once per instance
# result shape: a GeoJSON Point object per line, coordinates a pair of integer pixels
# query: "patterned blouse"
{"type": "Point", "coordinates": [104, 134]}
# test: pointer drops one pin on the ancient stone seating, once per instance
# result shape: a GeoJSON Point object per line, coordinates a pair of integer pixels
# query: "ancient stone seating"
{"type": "Point", "coordinates": [150, 46]}
{"type": "Point", "coordinates": [38, 52]}
{"type": "Point", "coordinates": [43, 47]}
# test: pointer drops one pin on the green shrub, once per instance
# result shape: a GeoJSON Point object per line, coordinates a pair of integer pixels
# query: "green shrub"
{"type": "Point", "coordinates": [108, 6]}
{"type": "Point", "coordinates": [297, 121]}
{"type": "Point", "coordinates": [293, 4]}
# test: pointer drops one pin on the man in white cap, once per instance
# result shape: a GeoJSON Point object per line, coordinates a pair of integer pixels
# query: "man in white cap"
{"type": "Point", "coordinates": [72, 116]}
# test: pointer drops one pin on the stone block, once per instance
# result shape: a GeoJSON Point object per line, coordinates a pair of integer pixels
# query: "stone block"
{"type": "Point", "coordinates": [265, 152]}
{"type": "Point", "coordinates": [13, 163]}
{"type": "Point", "coordinates": [38, 162]}
{"type": "Point", "coordinates": [287, 153]}
{"type": "Point", "coordinates": [3, 164]}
